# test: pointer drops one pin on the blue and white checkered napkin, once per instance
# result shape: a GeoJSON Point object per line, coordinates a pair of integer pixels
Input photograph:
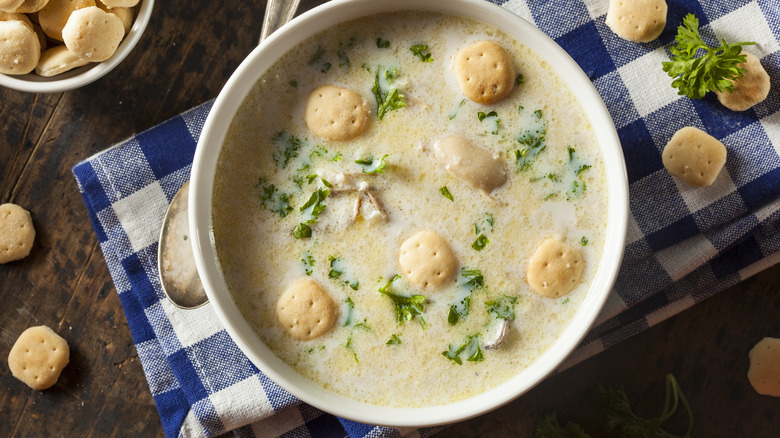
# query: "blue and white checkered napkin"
{"type": "Point", "coordinates": [684, 244]}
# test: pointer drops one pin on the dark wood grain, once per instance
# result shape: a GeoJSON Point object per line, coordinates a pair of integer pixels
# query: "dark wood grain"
{"type": "Point", "coordinates": [184, 59]}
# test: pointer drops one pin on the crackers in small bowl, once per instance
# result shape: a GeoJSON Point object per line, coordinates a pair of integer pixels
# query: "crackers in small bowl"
{"type": "Point", "coordinates": [48, 68]}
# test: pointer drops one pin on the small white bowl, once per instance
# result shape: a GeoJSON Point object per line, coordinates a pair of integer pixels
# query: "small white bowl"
{"type": "Point", "coordinates": [205, 166]}
{"type": "Point", "coordinates": [89, 73]}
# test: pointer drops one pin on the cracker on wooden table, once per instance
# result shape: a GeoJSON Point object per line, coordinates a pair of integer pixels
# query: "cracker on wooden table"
{"type": "Point", "coordinates": [336, 113]}
{"type": "Point", "coordinates": [20, 49]}
{"type": "Point", "coordinates": [694, 156]}
{"type": "Point", "coordinates": [752, 88]}
{"type": "Point", "coordinates": [485, 72]}
{"type": "Point", "coordinates": [427, 260]}
{"type": "Point", "coordinates": [637, 20]}
{"type": "Point", "coordinates": [554, 268]}
{"type": "Point", "coordinates": [764, 371]}
{"type": "Point", "coordinates": [93, 34]}
{"type": "Point", "coordinates": [17, 233]}
{"type": "Point", "coordinates": [38, 357]}
{"type": "Point", "coordinates": [477, 167]}
{"type": "Point", "coordinates": [305, 310]}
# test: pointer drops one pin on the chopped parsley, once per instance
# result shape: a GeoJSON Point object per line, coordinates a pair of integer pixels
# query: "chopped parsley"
{"type": "Point", "coordinates": [446, 193]}
{"type": "Point", "coordinates": [308, 263]}
{"type": "Point", "coordinates": [373, 166]}
{"type": "Point", "coordinates": [472, 280]}
{"type": "Point", "coordinates": [351, 349]}
{"type": "Point", "coordinates": [382, 44]}
{"type": "Point", "coordinates": [286, 148]}
{"type": "Point", "coordinates": [518, 80]}
{"type": "Point", "coordinates": [394, 340]}
{"type": "Point", "coordinates": [492, 120]}
{"type": "Point", "coordinates": [502, 307]}
{"type": "Point", "coordinates": [481, 242]}
{"type": "Point", "coordinates": [343, 59]}
{"type": "Point", "coordinates": [469, 349]}
{"type": "Point", "coordinates": [421, 51]}
{"type": "Point", "coordinates": [350, 310]}
{"type": "Point", "coordinates": [334, 273]}
{"type": "Point", "coordinates": [538, 114]}
{"type": "Point", "coordinates": [317, 55]}
{"type": "Point", "coordinates": [273, 199]}
{"type": "Point", "coordinates": [302, 231]}
{"type": "Point", "coordinates": [584, 241]}
{"type": "Point", "coordinates": [485, 221]}
{"type": "Point", "coordinates": [314, 206]}
{"type": "Point", "coordinates": [406, 307]}
{"type": "Point", "coordinates": [456, 109]}
{"type": "Point", "coordinates": [387, 99]}
{"type": "Point", "coordinates": [336, 157]}
{"type": "Point", "coordinates": [533, 141]}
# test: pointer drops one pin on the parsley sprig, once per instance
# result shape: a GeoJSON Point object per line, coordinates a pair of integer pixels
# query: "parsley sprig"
{"type": "Point", "coordinates": [714, 71]}
{"type": "Point", "coordinates": [406, 308]}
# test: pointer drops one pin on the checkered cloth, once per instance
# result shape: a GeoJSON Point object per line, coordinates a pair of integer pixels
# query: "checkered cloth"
{"type": "Point", "coordinates": [684, 244]}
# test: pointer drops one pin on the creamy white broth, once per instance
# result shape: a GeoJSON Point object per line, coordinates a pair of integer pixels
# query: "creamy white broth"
{"type": "Point", "coordinates": [259, 256]}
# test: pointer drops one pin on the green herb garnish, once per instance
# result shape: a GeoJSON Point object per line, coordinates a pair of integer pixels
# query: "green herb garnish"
{"type": "Point", "coordinates": [286, 148]}
{"type": "Point", "coordinates": [302, 231]}
{"type": "Point", "coordinates": [351, 349]}
{"type": "Point", "coordinates": [387, 100]}
{"type": "Point", "coordinates": [343, 59]}
{"type": "Point", "coordinates": [272, 199]}
{"type": "Point", "coordinates": [317, 55]}
{"type": "Point", "coordinates": [446, 193]}
{"type": "Point", "coordinates": [502, 307]}
{"type": "Point", "coordinates": [716, 70]}
{"type": "Point", "coordinates": [382, 44]}
{"type": "Point", "coordinates": [481, 242]}
{"type": "Point", "coordinates": [406, 307]}
{"type": "Point", "coordinates": [315, 205]}
{"type": "Point", "coordinates": [334, 273]}
{"type": "Point", "coordinates": [469, 349]}
{"type": "Point", "coordinates": [373, 165]}
{"type": "Point", "coordinates": [473, 280]}
{"type": "Point", "coordinates": [518, 80]}
{"type": "Point", "coordinates": [350, 311]}
{"type": "Point", "coordinates": [308, 263]}
{"type": "Point", "coordinates": [584, 241]}
{"type": "Point", "coordinates": [394, 340]}
{"type": "Point", "coordinates": [421, 50]}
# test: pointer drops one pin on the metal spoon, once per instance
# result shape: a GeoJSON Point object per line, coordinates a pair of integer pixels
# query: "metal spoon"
{"type": "Point", "coordinates": [175, 261]}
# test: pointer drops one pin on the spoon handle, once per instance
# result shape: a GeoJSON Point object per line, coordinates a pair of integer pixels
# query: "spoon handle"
{"type": "Point", "coordinates": [277, 14]}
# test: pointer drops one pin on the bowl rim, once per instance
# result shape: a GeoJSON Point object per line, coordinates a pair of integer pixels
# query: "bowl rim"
{"type": "Point", "coordinates": [200, 198]}
{"type": "Point", "coordinates": [78, 77]}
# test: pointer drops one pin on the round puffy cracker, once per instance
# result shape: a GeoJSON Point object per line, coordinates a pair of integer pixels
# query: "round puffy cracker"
{"type": "Point", "coordinates": [58, 60]}
{"type": "Point", "coordinates": [10, 16]}
{"type": "Point", "coordinates": [750, 89]}
{"type": "Point", "coordinates": [19, 48]}
{"type": "Point", "coordinates": [119, 3]}
{"type": "Point", "coordinates": [427, 260]}
{"type": "Point", "coordinates": [55, 14]}
{"type": "Point", "coordinates": [485, 72]}
{"type": "Point", "coordinates": [336, 113]}
{"type": "Point", "coordinates": [554, 268]}
{"type": "Point", "coordinates": [38, 357]}
{"type": "Point", "coordinates": [124, 14]}
{"type": "Point", "coordinates": [31, 6]}
{"type": "Point", "coordinates": [764, 371]}
{"type": "Point", "coordinates": [17, 233]}
{"type": "Point", "coordinates": [305, 310]}
{"type": "Point", "coordinates": [694, 156]}
{"type": "Point", "coordinates": [10, 5]}
{"type": "Point", "coordinates": [93, 34]}
{"type": "Point", "coordinates": [640, 21]}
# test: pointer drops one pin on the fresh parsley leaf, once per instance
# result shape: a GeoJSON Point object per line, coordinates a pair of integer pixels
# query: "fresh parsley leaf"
{"type": "Point", "coordinates": [481, 242]}
{"type": "Point", "coordinates": [382, 44]}
{"type": "Point", "coordinates": [613, 403]}
{"type": "Point", "coordinates": [533, 141]}
{"type": "Point", "coordinates": [337, 157]}
{"type": "Point", "coordinates": [502, 307]}
{"type": "Point", "coordinates": [308, 263]}
{"type": "Point", "coordinates": [483, 224]}
{"type": "Point", "coordinates": [302, 231]}
{"type": "Point", "coordinates": [518, 80]}
{"type": "Point", "coordinates": [490, 118]}
{"type": "Point", "coordinates": [454, 112]}
{"type": "Point", "coordinates": [354, 285]}
{"type": "Point", "coordinates": [351, 349]}
{"type": "Point", "coordinates": [326, 183]}
{"type": "Point", "coordinates": [446, 193]}
{"type": "Point", "coordinates": [472, 280]}
{"type": "Point", "coordinates": [350, 311]}
{"type": "Point", "coordinates": [470, 349]}
{"type": "Point", "coordinates": [334, 273]}
{"type": "Point", "coordinates": [394, 340]}
{"type": "Point", "coordinates": [343, 59]}
{"type": "Point", "coordinates": [286, 147]}
{"type": "Point", "coordinates": [373, 165]}
{"type": "Point", "coordinates": [315, 205]}
{"type": "Point", "coordinates": [715, 70]}
{"type": "Point", "coordinates": [481, 116]}
{"type": "Point", "coordinates": [538, 114]}
{"type": "Point", "coordinates": [406, 307]}
{"type": "Point", "coordinates": [584, 240]}
{"type": "Point", "coordinates": [317, 55]}
{"type": "Point", "coordinates": [272, 199]}
{"type": "Point", "coordinates": [421, 51]}
{"type": "Point", "coordinates": [387, 100]}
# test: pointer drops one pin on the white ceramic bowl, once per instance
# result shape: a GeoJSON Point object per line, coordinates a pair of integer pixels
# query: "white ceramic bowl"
{"type": "Point", "coordinates": [200, 199]}
{"type": "Point", "coordinates": [89, 73]}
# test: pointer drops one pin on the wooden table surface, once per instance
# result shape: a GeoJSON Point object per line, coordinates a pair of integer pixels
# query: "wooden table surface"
{"type": "Point", "coordinates": [183, 59]}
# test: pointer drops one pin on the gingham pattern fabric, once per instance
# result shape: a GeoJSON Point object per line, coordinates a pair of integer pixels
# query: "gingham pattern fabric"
{"type": "Point", "coordinates": [684, 244]}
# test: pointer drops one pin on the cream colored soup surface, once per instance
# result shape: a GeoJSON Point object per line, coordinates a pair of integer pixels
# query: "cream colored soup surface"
{"type": "Point", "coordinates": [259, 255]}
